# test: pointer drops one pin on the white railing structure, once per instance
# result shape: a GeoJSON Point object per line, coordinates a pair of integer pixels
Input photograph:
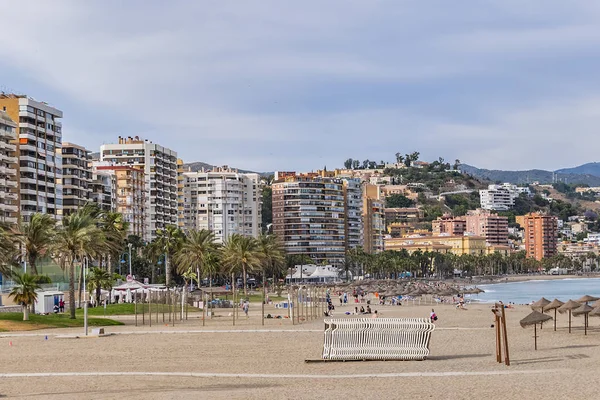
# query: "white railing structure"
{"type": "Point", "coordinates": [377, 339]}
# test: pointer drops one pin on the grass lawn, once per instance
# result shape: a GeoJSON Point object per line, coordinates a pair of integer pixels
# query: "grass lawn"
{"type": "Point", "coordinates": [14, 322]}
{"type": "Point", "coordinates": [129, 308]}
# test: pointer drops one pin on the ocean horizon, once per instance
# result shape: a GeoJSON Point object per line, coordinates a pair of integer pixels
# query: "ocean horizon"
{"type": "Point", "coordinates": [525, 292]}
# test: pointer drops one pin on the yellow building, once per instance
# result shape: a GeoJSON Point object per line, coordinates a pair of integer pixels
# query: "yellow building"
{"type": "Point", "coordinates": [457, 245]}
{"type": "Point", "coordinates": [373, 219]}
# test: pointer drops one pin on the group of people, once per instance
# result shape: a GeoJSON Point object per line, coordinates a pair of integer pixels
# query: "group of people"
{"type": "Point", "coordinates": [60, 307]}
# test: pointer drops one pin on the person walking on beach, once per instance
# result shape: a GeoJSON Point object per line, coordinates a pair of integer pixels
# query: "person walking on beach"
{"type": "Point", "coordinates": [246, 308]}
{"type": "Point", "coordinates": [433, 317]}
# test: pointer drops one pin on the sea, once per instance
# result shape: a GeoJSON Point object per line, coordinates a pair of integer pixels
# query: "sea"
{"type": "Point", "coordinates": [530, 291]}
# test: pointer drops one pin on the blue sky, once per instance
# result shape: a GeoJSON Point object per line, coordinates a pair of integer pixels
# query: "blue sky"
{"type": "Point", "coordinates": [281, 85]}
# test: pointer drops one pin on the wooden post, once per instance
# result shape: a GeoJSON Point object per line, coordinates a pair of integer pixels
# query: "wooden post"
{"type": "Point", "coordinates": [135, 307]}
{"type": "Point", "coordinates": [291, 301]}
{"type": "Point", "coordinates": [264, 298]}
{"type": "Point", "coordinates": [555, 319]}
{"type": "Point", "coordinates": [569, 321]}
{"type": "Point", "coordinates": [505, 338]}
{"type": "Point", "coordinates": [233, 297]}
{"type": "Point", "coordinates": [143, 311]}
{"type": "Point", "coordinates": [150, 308]}
{"type": "Point", "coordinates": [204, 306]}
{"type": "Point", "coordinates": [498, 338]}
{"type": "Point", "coordinates": [535, 335]}
{"type": "Point", "coordinates": [163, 303]}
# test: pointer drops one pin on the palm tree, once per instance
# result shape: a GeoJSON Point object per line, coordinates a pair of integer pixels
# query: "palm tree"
{"type": "Point", "coordinates": [98, 279]}
{"type": "Point", "coordinates": [8, 250]}
{"type": "Point", "coordinates": [241, 255]}
{"type": "Point", "coordinates": [24, 292]}
{"type": "Point", "coordinates": [35, 237]}
{"type": "Point", "coordinates": [169, 241]}
{"type": "Point", "coordinates": [78, 237]}
{"type": "Point", "coordinates": [212, 265]}
{"type": "Point", "coordinates": [115, 231]}
{"type": "Point", "coordinates": [196, 246]}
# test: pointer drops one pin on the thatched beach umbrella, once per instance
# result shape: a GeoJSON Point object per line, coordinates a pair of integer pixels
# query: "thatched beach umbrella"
{"type": "Point", "coordinates": [554, 305]}
{"type": "Point", "coordinates": [569, 306]}
{"type": "Point", "coordinates": [539, 305]}
{"type": "Point", "coordinates": [583, 310]}
{"type": "Point", "coordinates": [596, 304]}
{"type": "Point", "coordinates": [595, 312]}
{"type": "Point", "coordinates": [587, 298]}
{"type": "Point", "coordinates": [534, 318]}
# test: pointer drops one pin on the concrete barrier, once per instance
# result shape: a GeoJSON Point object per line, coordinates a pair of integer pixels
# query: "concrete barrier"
{"type": "Point", "coordinates": [377, 339]}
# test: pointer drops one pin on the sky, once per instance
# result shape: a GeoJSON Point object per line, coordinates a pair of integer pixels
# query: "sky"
{"type": "Point", "coordinates": [298, 85]}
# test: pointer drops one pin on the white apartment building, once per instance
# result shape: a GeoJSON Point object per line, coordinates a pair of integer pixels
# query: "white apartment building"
{"type": "Point", "coordinates": [501, 197]}
{"type": "Point", "coordinates": [160, 170]}
{"type": "Point", "coordinates": [8, 172]}
{"type": "Point", "coordinates": [353, 212]}
{"type": "Point", "coordinates": [224, 201]}
{"type": "Point", "coordinates": [103, 188]}
{"type": "Point", "coordinates": [39, 149]}
{"type": "Point", "coordinates": [77, 177]}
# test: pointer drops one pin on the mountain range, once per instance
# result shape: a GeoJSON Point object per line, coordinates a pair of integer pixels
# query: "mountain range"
{"type": "Point", "coordinates": [588, 174]}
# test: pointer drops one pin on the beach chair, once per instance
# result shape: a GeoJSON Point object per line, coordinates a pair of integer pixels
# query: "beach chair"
{"type": "Point", "coordinates": [377, 339]}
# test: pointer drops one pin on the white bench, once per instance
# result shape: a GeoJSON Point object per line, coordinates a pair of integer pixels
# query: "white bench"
{"type": "Point", "coordinates": [377, 339]}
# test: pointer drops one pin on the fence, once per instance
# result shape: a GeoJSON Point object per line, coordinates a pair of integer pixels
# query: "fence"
{"type": "Point", "coordinates": [377, 339]}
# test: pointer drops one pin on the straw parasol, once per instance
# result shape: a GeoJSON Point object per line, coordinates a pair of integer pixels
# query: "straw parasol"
{"type": "Point", "coordinates": [554, 305]}
{"type": "Point", "coordinates": [595, 312]}
{"type": "Point", "coordinates": [569, 306]}
{"type": "Point", "coordinates": [534, 318]}
{"type": "Point", "coordinates": [587, 298]}
{"type": "Point", "coordinates": [539, 305]}
{"type": "Point", "coordinates": [583, 310]}
{"type": "Point", "coordinates": [596, 304]}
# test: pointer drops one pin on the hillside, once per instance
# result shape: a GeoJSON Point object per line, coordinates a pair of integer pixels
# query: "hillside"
{"type": "Point", "coordinates": [198, 165]}
{"type": "Point", "coordinates": [585, 169]}
{"type": "Point", "coordinates": [530, 176]}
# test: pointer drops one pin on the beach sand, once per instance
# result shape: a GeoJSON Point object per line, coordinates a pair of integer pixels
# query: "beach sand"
{"type": "Point", "coordinates": [250, 361]}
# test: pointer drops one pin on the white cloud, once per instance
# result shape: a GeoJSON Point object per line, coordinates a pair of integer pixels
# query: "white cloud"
{"type": "Point", "coordinates": [278, 85]}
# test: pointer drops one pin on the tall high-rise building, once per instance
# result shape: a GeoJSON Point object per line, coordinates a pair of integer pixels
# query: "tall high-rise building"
{"type": "Point", "coordinates": [224, 201]}
{"type": "Point", "coordinates": [180, 194]}
{"type": "Point", "coordinates": [353, 213]}
{"type": "Point", "coordinates": [318, 215]}
{"type": "Point", "coordinates": [77, 177]}
{"type": "Point", "coordinates": [103, 189]}
{"type": "Point", "coordinates": [39, 133]}
{"type": "Point", "coordinates": [541, 234]}
{"type": "Point", "coordinates": [8, 171]}
{"type": "Point", "coordinates": [130, 188]}
{"type": "Point", "coordinates": [484, 223]}
{"type": "Point", "coordinates": [490, 225]}
{"type": "Point", "coordinates": [373, 219]}
{"type": "Point", "coordinates": [159, 165]}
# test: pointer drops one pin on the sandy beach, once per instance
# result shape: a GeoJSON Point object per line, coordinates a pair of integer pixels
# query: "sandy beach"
{"type": "Point", "coordinates": [250, 361]}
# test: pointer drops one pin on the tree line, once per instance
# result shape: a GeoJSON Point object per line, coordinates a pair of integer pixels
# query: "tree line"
{"type": "Point", "coordinates": [391, 264]}
{"type": "Point", "coordinates": [100, 239]}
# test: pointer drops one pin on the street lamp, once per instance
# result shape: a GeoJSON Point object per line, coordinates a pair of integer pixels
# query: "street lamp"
{"type": "Point", "coordinates": [130, 245]}
{"type": "Point", "coordinates": [85, 300]}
